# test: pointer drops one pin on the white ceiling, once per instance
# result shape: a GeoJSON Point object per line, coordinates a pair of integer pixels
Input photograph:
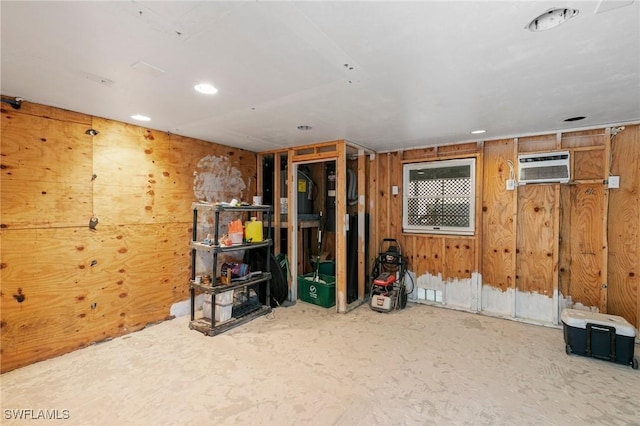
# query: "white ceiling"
{"type": "Point", "coordinates": [418, 73]}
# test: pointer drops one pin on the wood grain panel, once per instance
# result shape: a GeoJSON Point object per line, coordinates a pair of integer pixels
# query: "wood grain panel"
{"type": "Point", "coordinates": [81, 286]}
{"type": "Point", "coordinates": [587, 247]}
{"type": "Point", "coordinates": [131, 155]}
{"type": "Point", "coordinates": [536, 239]}
{"type": "Point", "coordinates": [589, 165]}
{"type": "Point", "coordinates": [624, 228]}
{"type": "Point", "coordinates": [584, 138]}
{"type": "Point", "coordinates": [458, 258]}
{"type": "Point", "coordinates": [44, 150]}
{"type": "Point", "coordinates": [564, 257]}
{"type": "Point", "coordinates": [537, 143]}
{"type": "Point", "coordinates": [498, 224]}
{"type": "Point", "coordinates": [395, 205]}
{"type": "Point", "coordinates": [38, 204]}
{"type": "Point", "coordinates": [146, 176]}
{"type": "Point", "coordinates": [156, 256]}
{"type": "Point", "coordinates": [68, 303]}
{"type": "Point", "coordinates": [147, 204]}
{"type": "Point", "coordinates": [46, 172]}
{"type": "Point", "coordinates": [454, 258]}
{"type": "Point", "coordinates": [384, 194]}
{"type": "Point", "coordinates": [461, 148]}
{"type": "Point", "coordinates": [373, 208]}
{"type": "Point", "coordinates": [45, 111]}
{"type": "Point", "coordinates": [363, 234]}
{"type": "Point", "coordinates": [429, 256]}
{"type": "Point", "coordinates": [407, 243]}
{"type": "Point", "coordinates": [420, 154]}
{"type": "Point", "coordinates": [341, 240]}
{"type": "Point", "coordinates": [478, 240]}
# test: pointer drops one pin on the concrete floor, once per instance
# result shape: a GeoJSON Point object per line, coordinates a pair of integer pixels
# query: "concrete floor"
{"type": "Point", "coordinates": [307, 365]}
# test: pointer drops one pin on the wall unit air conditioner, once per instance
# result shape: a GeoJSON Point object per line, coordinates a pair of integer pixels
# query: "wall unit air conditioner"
{"type": "Point", "coordinates": [545, 167]}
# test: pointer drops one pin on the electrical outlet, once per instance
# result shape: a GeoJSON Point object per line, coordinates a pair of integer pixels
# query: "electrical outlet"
{"type": "Point", "coordinates": [394, 190]}
{"type": "Point", "coordinates": [614, 182]}
{"type": "Point", "coordinates": [510, 184]}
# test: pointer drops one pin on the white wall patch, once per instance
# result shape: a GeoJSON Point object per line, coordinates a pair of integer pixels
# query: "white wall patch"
{"type": "Point", "coordinates": [568, 303]}
{"type": "Point", "coordinates": [460, 292]}
{"type": "Point", "coordinates": [534, 306]}
{"type": "Point", "coordinates": [497, 301]}
{"type": "Point", "coordinates": [215, 179]}
{"type": "Point", "coordinates": [180, 309]}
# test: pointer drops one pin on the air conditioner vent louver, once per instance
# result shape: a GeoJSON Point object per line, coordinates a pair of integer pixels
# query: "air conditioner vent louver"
{"type": "Point", "coordinates": [544, 173]}
{"type": "Point", "coordinates": [544, 168]}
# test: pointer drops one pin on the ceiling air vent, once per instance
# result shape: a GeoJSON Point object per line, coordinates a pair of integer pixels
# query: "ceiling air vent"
{"type": "Point", "coordinates": [548, 167]}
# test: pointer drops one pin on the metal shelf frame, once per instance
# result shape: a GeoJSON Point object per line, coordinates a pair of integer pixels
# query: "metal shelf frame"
{"type": "Point", "coordinates": [241, 313]}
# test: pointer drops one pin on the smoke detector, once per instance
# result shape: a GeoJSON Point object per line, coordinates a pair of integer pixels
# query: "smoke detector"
{"type": "Point", "coordinates": [551, 19]}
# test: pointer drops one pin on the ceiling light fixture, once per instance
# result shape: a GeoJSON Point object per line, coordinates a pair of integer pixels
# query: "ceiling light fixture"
{"type": "Point", "coordinates": [578, 118]}
{"type": "Point", "coordinates": [304, 127]}
{"type": "Point", "coordinates": [551, 19]}
{"type": "Point", "coordinates": [140, 117]}
{"type": "Point", "coordinates": [478, 132]}
{"type": "Point", "coordinates": [206, 88]}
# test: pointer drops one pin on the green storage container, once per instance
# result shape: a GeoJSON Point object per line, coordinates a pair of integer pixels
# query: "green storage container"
{"type": "Point", "coordinates": [319, 293]}
{"type": "Point", "coordinates": [327, 267]}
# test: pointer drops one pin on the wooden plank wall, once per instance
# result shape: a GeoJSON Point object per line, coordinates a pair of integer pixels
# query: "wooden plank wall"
{"type": "Point", "coordinates": [585, 244]}
{"type": "Point", "coordinates": [624, 227]}
{"type": "Point", "coordinates": [452, 257]}
{"type": "Point", "coordinates": [65, 286]}
{"type": "Point", "coordinates": [583, 260]}
{"type": "Point", "coordinates": [581, 239]}
{"type": "Point", "coordinates": [536, 238]}
{"type": "Point", "coordinates": [498, 209]}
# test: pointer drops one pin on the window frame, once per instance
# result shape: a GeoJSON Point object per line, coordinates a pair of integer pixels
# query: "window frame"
{"type": "Point", "coordinates": [442, 229]}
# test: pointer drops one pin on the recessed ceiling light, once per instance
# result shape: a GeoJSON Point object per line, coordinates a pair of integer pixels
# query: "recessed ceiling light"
{"type": "Point", "coordinates": [578, 118]}
{"type": "Point", "coordinates": [304, 127]}
{"type": "Point", "coordinates": [478, 132]}
{"type": "Point", "coordinates": [551, 19]}
{"type": "Point", "coordinates": [140, 117]}
{"type": "Point", "coordinates": [206, 88]}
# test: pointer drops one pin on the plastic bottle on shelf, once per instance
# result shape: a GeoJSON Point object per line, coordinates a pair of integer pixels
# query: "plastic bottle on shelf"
{"type": "Point", "coordinates": [253, 231]}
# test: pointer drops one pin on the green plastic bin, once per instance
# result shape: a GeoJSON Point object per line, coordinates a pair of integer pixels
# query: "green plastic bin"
{"type": "Point", "coordinates": [327, 267]}
{"type": "Point", "coordinates": [319, 293]}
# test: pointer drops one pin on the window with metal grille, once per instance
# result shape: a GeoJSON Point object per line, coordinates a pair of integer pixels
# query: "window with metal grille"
{"type": "Point", "coordinates": [439, 197]}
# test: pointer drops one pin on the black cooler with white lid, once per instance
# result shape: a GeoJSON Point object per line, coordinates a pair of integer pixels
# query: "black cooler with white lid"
{"type": "Point", "coordinates": [602, 336]}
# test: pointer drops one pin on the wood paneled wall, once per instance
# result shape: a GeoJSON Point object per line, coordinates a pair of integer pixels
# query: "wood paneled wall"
{"type": "Point", "coordinates": [451, 256]}
{"type": "Point", "coordinates": [498, 216]}
{"type": "Point", "coordinates": [66, 286]}
{"type": "Point", "coordinates": [623, 296]}
{"type": "Point", "coordinates": [578, 242]}
{"type": "Point", "coordinates": [536, 239]}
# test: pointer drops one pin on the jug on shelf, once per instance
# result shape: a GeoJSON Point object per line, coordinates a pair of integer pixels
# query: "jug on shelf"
{"type": "Point", "coordinates": [253, 231]}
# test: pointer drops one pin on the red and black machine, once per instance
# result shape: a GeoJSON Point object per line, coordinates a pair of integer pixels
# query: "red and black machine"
{"type": "Point", "coordinates": [388, 291]}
